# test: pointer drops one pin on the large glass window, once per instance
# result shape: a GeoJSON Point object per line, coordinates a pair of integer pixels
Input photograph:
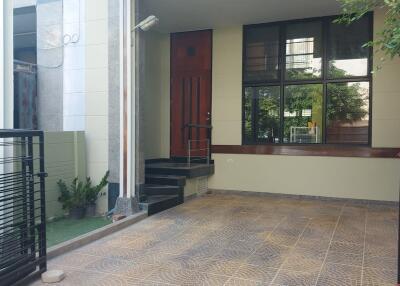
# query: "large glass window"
{"type": "Point", "coordinates": [261, 60]}
{"type": "Point", "coordinates": [347, 55]}
{"type": "Point", "coordinates": [348, 113]}
{"type": "Point", "coordinates": [303, 114]}
{"type": "Point", "coordinates": [266, 102]}
{"type": "Point", "coordinates": [304, 50]}
{"type": "Point", "coordinates": [307, 82]}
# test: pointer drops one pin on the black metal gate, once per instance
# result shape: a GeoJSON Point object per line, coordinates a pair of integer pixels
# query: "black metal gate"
{"type": "Point", "coordinates": [22, 206]}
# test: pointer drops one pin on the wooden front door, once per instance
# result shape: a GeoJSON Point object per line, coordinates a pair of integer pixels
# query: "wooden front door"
{"type": "Point", "coordinates": [190, 92]}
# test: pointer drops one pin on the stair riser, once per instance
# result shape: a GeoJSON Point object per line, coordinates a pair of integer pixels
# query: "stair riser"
{"type": "Point", "coordinates": [162, 191]}
{"type": "Point", "coordinates": [166, 181]}
{"type": "Point", "coordinates": [181, 172]}
{"type": "Point", "coordinates": [160, 206]}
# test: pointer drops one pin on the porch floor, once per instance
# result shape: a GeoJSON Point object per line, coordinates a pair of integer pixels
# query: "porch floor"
{"type": "Point", "coordinates": [245, 240]}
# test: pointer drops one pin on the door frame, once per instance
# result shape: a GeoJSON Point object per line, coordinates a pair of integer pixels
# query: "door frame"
{"type": "Point", "coordinates": [170, 85]}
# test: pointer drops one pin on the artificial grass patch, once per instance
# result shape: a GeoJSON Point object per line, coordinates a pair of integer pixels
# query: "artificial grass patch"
{"type": "Point", "coordinates": [65, 229]}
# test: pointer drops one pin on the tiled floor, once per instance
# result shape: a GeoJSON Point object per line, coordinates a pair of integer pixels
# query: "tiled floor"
{"type": "Point", "coordinates": [245, 240]}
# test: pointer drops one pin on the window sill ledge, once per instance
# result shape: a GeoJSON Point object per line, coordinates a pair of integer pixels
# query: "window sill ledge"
{"type": "Point", "coordinates": [318, 150]}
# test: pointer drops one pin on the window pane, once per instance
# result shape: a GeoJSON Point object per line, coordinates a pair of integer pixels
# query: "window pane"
{"type": "Point", "coordinates": [303, 113]}
{"type": "Point", "coordinates": [346, 54]}
{"type": "Point", "coordinates": [268, 102]}
{"type": "Point", "coordinates": [261, 54]}
{"type": "Point", "coordinates": [348, 113]}
{"type": "Point", "coordinates": [304, 50]}
{"type": "Point", "coordinates": [248, 106]}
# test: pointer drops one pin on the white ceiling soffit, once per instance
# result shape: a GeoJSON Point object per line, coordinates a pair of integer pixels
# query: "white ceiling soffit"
{"type": "Point", "coordinates": [188, 15]}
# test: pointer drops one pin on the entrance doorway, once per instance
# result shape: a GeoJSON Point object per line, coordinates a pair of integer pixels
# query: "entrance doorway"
{"type": "Point", "coordinates": [191, 68]}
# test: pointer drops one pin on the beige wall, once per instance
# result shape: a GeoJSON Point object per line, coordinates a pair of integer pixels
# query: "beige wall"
{"type": "Point", "coordinates": [385, 98]}
{"type": "Point", "coordinates": [65, 159]}
{"type": "Point", "coordinates": [156, 98]}
{"type": "Point", "coordinates": [376, 179]}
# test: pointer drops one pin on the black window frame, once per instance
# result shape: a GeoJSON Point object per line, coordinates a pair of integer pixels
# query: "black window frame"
{"type": "Point", "coordinates": [324, 80]}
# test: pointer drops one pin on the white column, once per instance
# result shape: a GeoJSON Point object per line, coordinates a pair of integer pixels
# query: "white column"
{"type": "Point", "coordinates": [131, 60]}
{"type": "Point", "coordinates": [2, 21]}
{"type": "Point", "coordinates": [7, 55]}
{"type": "Point", "coordinates": [127, 101]}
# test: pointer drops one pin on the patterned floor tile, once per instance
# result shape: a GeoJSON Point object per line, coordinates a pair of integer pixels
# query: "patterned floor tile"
{"type": "Point", "coordinates": [372, 277]}
{"type": "Point", "coordinates": [304, 260]}
{"type": "Point", "coordinates": [73, 260]}
{"type": "Point", "coordinates": [239, 240]}
{"type": "Point", "coordinates": [271, 255]}
{"type": "Point", "coordinates": [377, 262]}
{"type": "Point", "coordinates": [221, 266]}
{"type": "Point", "coordinates": [293, 278]}
{"type": "Point", "coordinates": [338, 274]}
{"type": "Point", "coordinates": [256, 273]}
{"type": "Point", "coordinates": [344, 258]}
{"type": "Point", "coordinates": [243, 282]}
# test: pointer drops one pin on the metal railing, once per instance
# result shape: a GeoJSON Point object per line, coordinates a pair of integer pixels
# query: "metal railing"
{"type": "Point", "coordinates": [22, 206]}
{"type": "Point", "coordinates": [199, 150]}
{"type": "Point", "coordinates": [194, 153]}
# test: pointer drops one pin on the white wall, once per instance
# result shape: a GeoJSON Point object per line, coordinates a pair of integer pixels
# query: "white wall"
{"type": "Point", "coordinates": [74, 69]}
{"type": "Point", "coordinates": [96, 88]}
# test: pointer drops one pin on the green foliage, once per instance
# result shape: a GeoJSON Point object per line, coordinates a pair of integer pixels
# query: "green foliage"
{"type": "Point", "coordinates": [388, 40]}
{"type": "Point", "coordinates": [92, 192]}
{"type": "Point", "coordinates": [72, 197]}
{"type": "Point", "coordinates": [80, 194]}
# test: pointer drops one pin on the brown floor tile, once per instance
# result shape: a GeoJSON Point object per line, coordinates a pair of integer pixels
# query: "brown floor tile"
{"type": "Point", "coordinates": [73, 260]}
{"type": "Point", "coordinates": [242, 282]}
{"type": "Point", "coordinates": [317, 244]}
{"type": "Point", "coordinates": [221, 266]}
{"type": "Point", "coordinates": [293, 278]}
{"type": "Point", "coordinates": [372, 277]}
{"type": "Point", "coordinates": [207, 279]}
{"type": "Point", "coordinates": [244, 240]}
{"type": "Point", "coordinates": [304, 260]}
{"type": "Point", "coordinates": [271, 255]}
{"type": "Point", "coordinates": [344, 258]}
{"type": "Point", "coordinates": [77, 277]}
{"type": "Point", "coordinates": [338, 246]}
{"type": "Point", "coordinates": [282, 239]}
{"type": "Point", "coordinates": [389, 263]}
{"type": "Point", "coordinates": [340, 274]}
{"type": "Point", "coordinates": [170, 275]}
{"type": "Point", "coordinates": [256, 273]}
{"type": "Point", "coordinates": [232, 254]}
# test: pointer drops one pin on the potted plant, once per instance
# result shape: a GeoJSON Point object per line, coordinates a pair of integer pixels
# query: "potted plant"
{"type": "Point", "coordinates": [73, 198]}
{"type": "Point", "coordinates": [93, 193]}
{"type": "Point", "coordinates": [80, 198]}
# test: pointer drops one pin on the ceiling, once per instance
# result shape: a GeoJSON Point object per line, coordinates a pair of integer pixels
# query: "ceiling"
{"type": "Point", "coordinates": [187, 15]}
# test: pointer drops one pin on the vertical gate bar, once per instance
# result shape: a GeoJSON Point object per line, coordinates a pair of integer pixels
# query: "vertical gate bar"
{"type": "Point", "coordinates": [42, 232]}
{"type": "Point", "coordinates": [25, 224]}
{"type": "Point", "coordinates": [31, 196]}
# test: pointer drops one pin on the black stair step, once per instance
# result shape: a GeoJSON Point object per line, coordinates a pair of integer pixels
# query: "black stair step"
{"type": "Point", "coordinates": [179, 169]}
{"type": "Point", "coordinates": [169, 180]}
{"type": "Point", "coordinates": [156, 204]}
{"type": "Point", "coordinates": [161, 190]}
